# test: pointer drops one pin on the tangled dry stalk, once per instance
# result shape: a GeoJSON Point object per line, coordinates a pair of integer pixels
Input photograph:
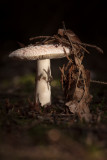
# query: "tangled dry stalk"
{"type": "Point", "coordinates": [75, 78]}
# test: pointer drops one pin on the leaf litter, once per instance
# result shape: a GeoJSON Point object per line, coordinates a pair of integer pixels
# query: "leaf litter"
{"type": "Point", "coordinates": [75, 79]}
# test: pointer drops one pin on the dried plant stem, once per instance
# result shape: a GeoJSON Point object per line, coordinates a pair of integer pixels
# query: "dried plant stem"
{"type": "Point", "coordinates": [39, 37]}
{"type": "Point", "coordinates": [99, 82]}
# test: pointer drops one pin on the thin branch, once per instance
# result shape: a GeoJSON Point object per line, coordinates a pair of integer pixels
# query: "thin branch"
{"type": "Point", "coordinates": [89, 45]}
{"type": "Point", "coordinates": [99, 82]}
{"type": "Point", "coordinates": [38, 37]}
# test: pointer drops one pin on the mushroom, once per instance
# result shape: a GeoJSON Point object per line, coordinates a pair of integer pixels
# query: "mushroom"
{"type": "Point", "coordinates": [43, 54]}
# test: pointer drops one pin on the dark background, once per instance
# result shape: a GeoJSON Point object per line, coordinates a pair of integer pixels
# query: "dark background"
{"type": "Point", "coordinates": [20, 20]}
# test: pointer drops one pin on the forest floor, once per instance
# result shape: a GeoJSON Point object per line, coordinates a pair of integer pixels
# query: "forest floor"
{"type": "Point", "coordinates": [51, 134]}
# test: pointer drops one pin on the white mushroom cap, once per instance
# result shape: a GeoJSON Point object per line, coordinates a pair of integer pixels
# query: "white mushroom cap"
{"type": "Point", "coordinates": [40, 52]}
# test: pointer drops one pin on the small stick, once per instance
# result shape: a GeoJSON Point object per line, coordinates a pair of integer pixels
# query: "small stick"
{"type": "Point", "coordinates": [99, 82]}
{"type": "Point", "coordinates": [89, 45]}
{"type": "Point", "coordinates": [38, 37]}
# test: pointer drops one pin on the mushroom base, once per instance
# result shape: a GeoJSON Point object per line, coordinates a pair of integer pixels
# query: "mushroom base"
{"type": "Point", "coordinates": [43, 80]}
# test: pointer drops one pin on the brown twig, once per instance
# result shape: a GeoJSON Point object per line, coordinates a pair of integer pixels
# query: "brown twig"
{"type": "Point", "coordinates": [99, 82]}
{"type": "Point", "coordinates": [38, 37]}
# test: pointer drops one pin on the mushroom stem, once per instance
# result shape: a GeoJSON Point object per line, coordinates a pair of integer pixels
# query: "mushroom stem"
{"type": "Point", "coordinates": [43, 79]}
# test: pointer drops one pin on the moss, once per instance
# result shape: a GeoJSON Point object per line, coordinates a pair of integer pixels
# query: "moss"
{"type": "Point", "coordinates": [56, 83]}
{"type": "Point", "coordinates": [27, 78]}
